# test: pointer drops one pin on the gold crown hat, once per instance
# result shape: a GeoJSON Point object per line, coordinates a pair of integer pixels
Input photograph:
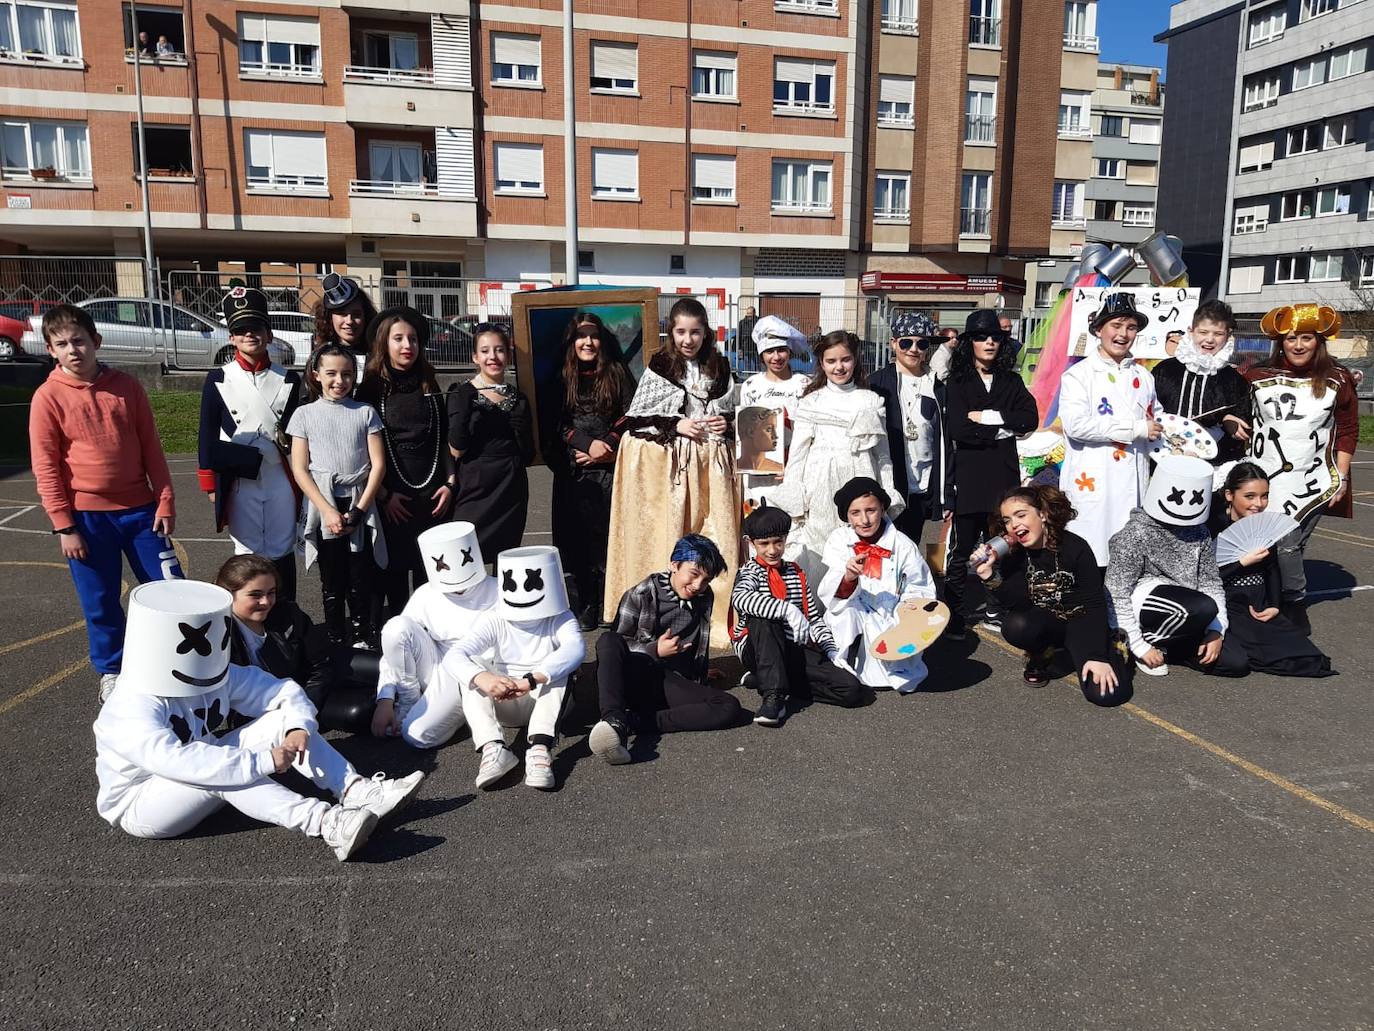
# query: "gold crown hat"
{"type": "Point", "coordinates": [1301, 318]}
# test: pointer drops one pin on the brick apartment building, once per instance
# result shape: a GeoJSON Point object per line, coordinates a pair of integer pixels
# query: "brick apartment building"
{"type": "Point", "coordinates": [773, 149]}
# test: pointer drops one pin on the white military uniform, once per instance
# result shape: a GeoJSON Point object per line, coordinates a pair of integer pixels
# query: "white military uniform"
{"type": "Point", "coordinates": [261, 512]}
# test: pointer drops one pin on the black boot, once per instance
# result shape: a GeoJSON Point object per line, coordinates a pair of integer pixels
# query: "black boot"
{"type": "Point", "coordinates": [286, 576]}
{"type": "Point", "coordinates": [335, 618]}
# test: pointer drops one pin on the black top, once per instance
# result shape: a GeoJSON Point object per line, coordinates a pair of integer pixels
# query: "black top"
{"type": "Point", "coordinates": [986, 466]}
{"type": "Point", "coordinates": [583, 423]}
{"type": "Point", "coordinates": [886, 384]}
{"type": "Point", "coordinates": [1065, 581]}
{"type": "Point", "coordinates": [413, 423]}
{"type": "Point", "coordinates": [480, 429]}
{"type": "Point", "coordinates": [285, 652]}
{"type": "Point", "coordinates": [1259, 585]}
{"type": "Point", "coordinates": [1205, 399]}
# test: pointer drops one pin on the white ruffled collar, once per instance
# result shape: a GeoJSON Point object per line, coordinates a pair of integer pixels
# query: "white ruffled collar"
{"type": "Point", "coordinates": [1199, 362]}
{"type": "Point", "coordinates": [841, 388]}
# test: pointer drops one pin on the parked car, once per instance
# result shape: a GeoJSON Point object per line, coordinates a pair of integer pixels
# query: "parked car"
{"type": "Point", "coordinates": [12, 333]}
{"type": "Point", "coordinates": [295, 330]}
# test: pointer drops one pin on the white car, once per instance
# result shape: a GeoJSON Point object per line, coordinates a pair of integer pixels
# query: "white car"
{"type": "Point", "coordinates": [296, 329]}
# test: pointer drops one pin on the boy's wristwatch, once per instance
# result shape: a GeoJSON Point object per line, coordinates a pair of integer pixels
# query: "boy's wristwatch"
{"type": "Point", "coordinates": [529, 677]}
{"type": "Point", "coordinates": [66, 530]}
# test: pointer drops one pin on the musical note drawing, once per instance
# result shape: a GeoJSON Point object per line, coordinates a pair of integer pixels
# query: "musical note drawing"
{"type": "Point", "coordinates": [1173, 314]}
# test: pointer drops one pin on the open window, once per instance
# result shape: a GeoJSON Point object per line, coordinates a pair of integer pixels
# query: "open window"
{"type": "Point", "coordinates": [161, 33]}
{"type": "Point", "coordinates": [169, 150]}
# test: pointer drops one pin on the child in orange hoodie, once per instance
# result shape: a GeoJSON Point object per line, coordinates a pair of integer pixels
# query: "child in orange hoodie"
{"type": "Point", "coordinates": [102, 478]}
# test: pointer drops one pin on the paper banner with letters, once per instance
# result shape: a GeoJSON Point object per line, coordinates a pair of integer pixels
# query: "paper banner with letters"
{"type": "Point", "coordinates": [1169, 309]}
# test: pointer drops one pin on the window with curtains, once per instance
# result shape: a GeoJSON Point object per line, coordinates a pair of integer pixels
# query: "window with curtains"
{"type": "Point", "coordinates": [713, 177]}
{"type": "Point", "coordinates": [395, 51]}
{"type": "Point", "coordinates": [900, 16]}
{"type": "Point", "coordinates": [1309, 72]}
{"type": "Point", "coordinates": [713, 75]}
{"type": "Point", "coordinates": [285, 162]}
{"type": "Point", "coordinates": [1080, 25]}
{"type": "Point", "coordinates": [615, 67]}
{"type": "Point", "coordinates": [975, 204]}
{"type": "Point", "coordinates": [280, 46]}
{"type": "Point", "coordinates": [615, 174]}
{"type": "Point", "coordinates": [980, 111]}
{"type": "Point", "coordinates": [1266, 24]}
{"type": "Point", "coordinates": [515, 59]}
{"type": "Point", "coordinates": [801, 186]}
{"type": "Point", "coordinates": [396, 167]}
{"type": "Point", "coordinates": [1325, 268]}
{"type": "Point", "coordinates": [519, 167]}
{"type": "Point", "coordinates": [1348, 61]}
{"type": "Point", "coordinates": [45, 150]}
{"type": "Point", "coordinates": [1339, 132]}
{"type": "Point", "coordinates": [802, 86]}
{"type": "Point", "coordinates": [892, 197]}
{"type": "Point", "coordinates": [46, 32]}
{"type": "Point", "coordinates": [1261, 91]}
{"type": "Point", "coordinates": [1333, 200]}
{"type": "Point", "coordinates": [896, 101]}
{"type": "Point", "coordinates": [1066, 208]}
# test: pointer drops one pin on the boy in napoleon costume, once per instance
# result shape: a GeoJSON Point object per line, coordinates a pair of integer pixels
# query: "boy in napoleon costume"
{"type": "Point", "coordinates": [244, 408]}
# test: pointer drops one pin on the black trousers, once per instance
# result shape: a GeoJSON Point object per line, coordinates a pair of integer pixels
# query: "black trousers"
{"type": "Point", "coordinates": [785, 667]}
{"type": "Point", "coordinates": [632, 682]}
{"type": "Point", "coordinates": [968, 530]}
{"type": "Point", "coordinates": [1174, 619]}
{"type": "Point", "coordinates": [912, 521]}
{"type": "Point", "coordinates": [286, 576]}
{"type": "Point", "coordinates": [1036, 630]}
{"type": "Point", "coordinates": [404, 566]}
{"type": "Point", "coordinates": [348, 579]}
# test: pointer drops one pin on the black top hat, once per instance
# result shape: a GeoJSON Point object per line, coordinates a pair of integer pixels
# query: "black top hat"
{"type": "Point", "coordinates": [983, 323]}
{"type": "Point", "coordinates": [1115, 306]}
{"type": "Point", "coordinates": [243, 305]}
{"type": "Point", "coordinates": [339, 292]}
{"type": "Point", "coordinates": [406, 314]}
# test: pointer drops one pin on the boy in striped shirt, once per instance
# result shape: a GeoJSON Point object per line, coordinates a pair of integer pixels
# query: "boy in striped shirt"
{"type": "Point", "coordinates": [779, 632]}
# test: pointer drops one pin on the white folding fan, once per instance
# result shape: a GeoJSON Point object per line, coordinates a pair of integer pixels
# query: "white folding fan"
{"type": "Point", "coordinates": [1261, 530]}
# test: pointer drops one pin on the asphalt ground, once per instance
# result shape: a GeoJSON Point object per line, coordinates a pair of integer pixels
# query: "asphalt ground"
{"type": "Point", "coordinates": [981, 854]}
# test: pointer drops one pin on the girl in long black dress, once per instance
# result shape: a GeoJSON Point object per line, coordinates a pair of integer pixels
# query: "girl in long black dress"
{"type": "Point", "coordinates": [491, 434]}
{"type": "Point", "coordinates": [597, 391]}
{"type": "Point", "coordinates": [400, 383]}
{"type": "Point", "coordinates": [1259, 636]}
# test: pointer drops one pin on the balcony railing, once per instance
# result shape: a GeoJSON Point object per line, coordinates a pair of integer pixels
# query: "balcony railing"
{"type": "Point", "coordinates": [288, 183]}
{"type": "Point", "coordinates": [1073, 41]}
{"type": "Point", "coordinates": [389, 76]}
{"type": "Point", "coordinates": [1062, 221]}
{"type": "Point", "coordinates": [897, 120]}
{"type": "Point", "coordinates": [1252, 226]}
{"type": "Point", "coordinates": [807, 6]}
{"type": "Point", "coordinates": [391, 188]}
{"type": "Point", "coordinates": [64, 60]}
{"type": "Point", "coordinates": [287, 70]}
{"type": "Point", "coordinates": [984, 31]}
{"type": "Point", "coordinates": [899, 24]}
{"type": "Point", "coordinates": [1075, 130]}
{"type": "Point", "coordinates": [24, 174]}
{"type": "Point", "coordinates": [974, 221]}
{"type": "Point", "coordinates": [980, 128]}
{"type": "Point", "coordinates": [902, 214]}
{"type": "Point", "coordinates": [803, 107]}
{"type": "Point", "coordinates": [1135, 221]}
{"type": "Point", "coordinates": [800, 207]}
{"type": "Point", "coordinates": [1148, 98]}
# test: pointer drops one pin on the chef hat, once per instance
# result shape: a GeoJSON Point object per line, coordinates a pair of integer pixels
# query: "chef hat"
{"type": "Point", "coordinates": [531, 582]}
{"type": "Point", "coordinates": [1180, 492]}
{"type": "Point", "coordinates": [452, 557]}
{"type": "Point", "coordinates": [771, 331]}
{"type": "Point", "coordinates": [176, 641]}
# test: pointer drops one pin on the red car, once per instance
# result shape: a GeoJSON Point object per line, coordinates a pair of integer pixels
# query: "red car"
{"type": "Point", "coordinates": [11, 333]}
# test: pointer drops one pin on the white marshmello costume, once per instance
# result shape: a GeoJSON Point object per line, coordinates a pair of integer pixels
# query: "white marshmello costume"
{"type": "Point", "coordinates": [530, 631]}
{"type": "Point", "coordinates": [871, 609]}
{"type": "Point", "coordinates": [429, 702]}
{"type": "Point", "coordinates": [163, 758]}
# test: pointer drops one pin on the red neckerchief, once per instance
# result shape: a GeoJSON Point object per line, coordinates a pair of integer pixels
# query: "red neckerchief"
{"type": "Point", "coordinates": [777, 586]}
{"type": "Point", "coordinates": [873, 558]}
{"type": "Point", "coordinates": [261, 365]}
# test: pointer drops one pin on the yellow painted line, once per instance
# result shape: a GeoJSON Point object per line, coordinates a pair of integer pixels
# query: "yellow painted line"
{"type": "Point", "coordinates": [42, 685]}
{"type": "Point", "coordinates": [15, 646]}
{"type": "Point", "coordinates": [1343, 533]}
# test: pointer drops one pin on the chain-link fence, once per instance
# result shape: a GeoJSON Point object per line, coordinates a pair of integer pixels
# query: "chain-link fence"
{"type": "Point", "coordinates": [29, 286]}
{"type": "Point", "coordinates": [814, 315]}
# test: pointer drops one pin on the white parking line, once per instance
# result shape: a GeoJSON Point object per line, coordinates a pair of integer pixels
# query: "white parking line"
{"type": "Point", "coordinates": [16, 515]}
{"type": "Point", "coordinates": [1332, 592]}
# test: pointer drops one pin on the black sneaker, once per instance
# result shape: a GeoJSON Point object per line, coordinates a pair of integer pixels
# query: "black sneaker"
{"type": "Point", "coordinates": [991, 618]}
{"type": "Point", "coordinates": [957, 629]}
{"type": "Point", "coordinates": [772, 711]}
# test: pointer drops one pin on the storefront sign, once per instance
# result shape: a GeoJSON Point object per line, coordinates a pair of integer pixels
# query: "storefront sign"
{"type": "Point", "coordinates": [939, 282]}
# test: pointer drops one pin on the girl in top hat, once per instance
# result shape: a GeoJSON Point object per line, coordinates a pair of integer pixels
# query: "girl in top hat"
{"type": "Point", "coordinates": [597, 391]}
{"type": "Point", "coordinates": [418, 488]}
{"type": "Point", "coordinates": [1107, 407]}
{"type": "Point", "coordinates": [776, 388]}
{"type": "Point", "coordinates": [988, 407]}
{"type": "Point", "coordinates": [1306, 428]}
{"type": "Point", "coordinates": [342, 316]}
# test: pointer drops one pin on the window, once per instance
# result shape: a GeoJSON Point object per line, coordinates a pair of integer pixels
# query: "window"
{"type": "Point", "coordinates": [804, 86]}
{"type": "Point", "coordinates": [279, 45]}
{"type": "Point", "coordinates": [1045, 294]}
{"type": "Point", "coordinates": [975, 204]}
{"type": "Point", "coordinates": [806, 6]}
{"type": "Point", "coordinates": [677, 264]}
{"type": "Point", "coordinates": [169, 150]}
{"type": "Point", "coordinates": [161, 36]}
{"type": "Point", "coordinates": [1080, 25]}
{"type": "Point", "coordinates": [1142, 173]}
{"type": "Point", "coordinates": [1290, 268]}
{"type": "Point", "coordinates": [1253, 218]}
{"type": "Point", "coordinates": [1304, 139]}
{"type": "Point", "coordinates": [1266, 24]}
{"type": "Point", "coordinates": [391, 51]}
{"type": "Point", "coordinates": [1261, 91]}
{"type": "Point", "coordinates": [713, 177]}
{"type": "Point", "coordinates": [1311, 72]}
{"type": "Point", "coordinates": [1295, 205]}
{"type": "Point", "coordinates": [1138, 215]}
{"type": "Point", "coordinates": [899, 16]}
{"type": "Point", "coordinates": [1109, 168]}
{"type": "Point", "coordinates": [1340, 132]}
{"type": "Point", "coordinates": [1333, 200]}
{"type": "Point", "coordinates": [40, 31]}
{"type": "Point", "coordinates": [1247, 279]}
{"type": "Point", "coordinates": [615, 67]}
{"type": "Point", "coordinates": [892, 197]}
{"type": "Point", "coordinates": [713, 75]}
{"type": "Point", "coordinates": [1325, 268]}
{"type": "Point", "coordinates": [801, 186]}
{"type": "Point", "coordinates": [1313, 8]}
{"type": "Point", "coordinates": [980, 114]}
{"type": "Point", "coordinates": [1075, 117]}
{"type": "Point", "coordinates": [1347, 61]}
{"type": "Point", "coordinates": [1113, 125]}
{"type": "Point", "coordinates": [514, 59]}
{"type": "Point", "coordinates": [519, 167]}
{"type": "Point", "coordinates": [615, 174]}
{"type": "Point", "coordinates": [1146, 130]}
{"type": "Point", "coordinates": [586, 261]}
{"type": "Point", "coordinates": [1106, 210]}
{"type": "Point", "coordinates": [985, 22]}
{"type": "Point", "coordinates": [292, 162]}
{"type": "Point", "coordinates": [395, 167]}
{"type": "Point", "coordinates": [1256, 155]}
{"type": "Point", "coordinates": [896, 101]}
{"type": "Point", "coordinates": [1066, 209]}
{"type": "Point", "coordinates": [45, 150]}
{"type": "Point", "coordinates": [1367, 270]}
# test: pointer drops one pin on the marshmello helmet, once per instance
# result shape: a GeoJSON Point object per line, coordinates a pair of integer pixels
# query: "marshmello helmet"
{"type": "Point", "coordinates": [176, 642]}
{"type": "Point", "coordinates": [1180, 491]}
{"type": "Point", "coordinates": [452, 557]}
{"type": "Point", "coordinates": [530, 582]}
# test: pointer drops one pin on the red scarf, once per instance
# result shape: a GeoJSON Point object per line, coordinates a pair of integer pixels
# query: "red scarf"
{"type": "Point", "coordinates": [777, 586]}
{"type": "Point", "coordinates": [261, 365]}
{"type": "Point", "coordinates": [873, 558]}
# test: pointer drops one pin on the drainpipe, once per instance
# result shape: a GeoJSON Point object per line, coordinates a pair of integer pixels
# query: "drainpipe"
{"type": "Point", "coordinates": [193, 84]}
{"type": "Point", "coordinates": [569, 151]}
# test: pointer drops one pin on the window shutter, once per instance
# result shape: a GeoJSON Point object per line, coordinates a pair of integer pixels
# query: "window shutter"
{"type": "Point", "coordinates": [520, 162]}
{"type": "Point", "coordinates": [453, 162]}
{"type": "Point", "coordinates": [298, 153]}
{"type": "Point", "coordinates": [713, 171]}
{"type": "Point", "coordinates": [1247, 279]}
{"type": "Point", "coordinates": [1146, 131]}
{"type": "Point", "coordinates": [615, 61]}
{"type": "Point", "coordinates": [252, 27]}
{"type": "Point", "coordinates": [714, 59]}
{"type": "Point", "coordinates": [788, 69]}
{"type": "Point", "coordinates": [507, 48]}
{"type": "Point", "coordinates": [451, 43]}
{"type": "Point", "coordinates": [258, 145]}
{"type": "Point", "coordinates": [292, 30]}
{"type": "Point", "coordinates": [615, 169]}
{"type": "Point", "coordinates": [896, 89]}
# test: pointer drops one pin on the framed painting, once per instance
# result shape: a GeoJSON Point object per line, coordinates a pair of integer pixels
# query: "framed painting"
{"type": "Point", "coordinates": [540, 320]}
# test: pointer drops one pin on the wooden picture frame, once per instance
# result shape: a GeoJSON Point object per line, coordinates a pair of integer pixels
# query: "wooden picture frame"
{"type": "Point", "coordinates": [539, 319]}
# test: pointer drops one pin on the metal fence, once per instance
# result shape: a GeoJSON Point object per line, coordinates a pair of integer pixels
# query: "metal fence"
{"type": "Point", "coordinates": [814, 315]}
{"type": "Point", "coordinates": [29, 285]}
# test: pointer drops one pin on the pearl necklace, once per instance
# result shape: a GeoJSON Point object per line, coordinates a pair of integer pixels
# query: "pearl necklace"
{"type": "Point", "coordinates": [434, 431]}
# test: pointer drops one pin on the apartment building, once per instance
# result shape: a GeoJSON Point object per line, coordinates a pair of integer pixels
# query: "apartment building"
{"type": "Point", "coordinates": [1292, 103]}
{"type": "Point", "coordinates": [1126, 127]}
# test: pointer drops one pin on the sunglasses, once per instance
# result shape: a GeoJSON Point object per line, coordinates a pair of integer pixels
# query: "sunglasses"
{"type": "Point", "coordinates": [907, 343]}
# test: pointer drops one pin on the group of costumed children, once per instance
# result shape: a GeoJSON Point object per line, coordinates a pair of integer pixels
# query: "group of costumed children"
{"type": "Point", "coordinates": [1119, 565]}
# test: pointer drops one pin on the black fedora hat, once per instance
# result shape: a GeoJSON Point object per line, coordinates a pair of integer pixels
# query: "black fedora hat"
{"type": "Point", "coordinates": [406, 314]}
{"type": "Point", "coordinates": [1116, 306]}
{"type": "Point", "coordinates": [983, 323]}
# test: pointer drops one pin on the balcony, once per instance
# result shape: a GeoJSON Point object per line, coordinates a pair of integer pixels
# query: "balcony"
{"type": "Point", "coordinates": [1087, 44]}
{"type": "Point", "coordinates": [389, 76]}
{"type": "Point", "coordinates": [1075, 131]}
{"type": "Point", "coordinates": [975, 221]}
{"type": "Point", "coordinates": [980, 129]}
{"type": "Point", "coordinates": [44, 176]}
{"type": "Point", "coordinates": [278, 70]}
{"type": "Point", "coordinates": [380, 207]}
{"type": "Point", "coordinates": [1060, 221]}
{"type": "Point", "coordinates": [824, 7]}
{"type": "Point", "coordinates": [409, 97]}
{"type": "Point", "coordinates": [901, 26]}
{"type": "Point", "coordinates": [896, 120]}
{"type": "Point", "coordinates": [306, 185]}
{"type": "Point", "coordinates": [900, 216]}
{"type": "Point", "coordinates": [801, 207]}
{"type": "Point", "coordinates": [984, 32]}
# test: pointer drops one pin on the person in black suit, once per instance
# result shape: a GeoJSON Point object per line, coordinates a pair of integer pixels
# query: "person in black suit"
{"type": "Point", "coordinates": [988, 407]}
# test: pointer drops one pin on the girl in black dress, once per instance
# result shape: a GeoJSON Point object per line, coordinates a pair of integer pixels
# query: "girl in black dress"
{"type": "Point", "coordinates": [597, 391]}
{"type": "Point", "coordinates": [1259, 637]}
{"type": "Point", "coordinates": [400, 383]}
{"type": "Point", "coordinates": [491, 434]}
{"type": "Point", "coordinates": [987, 406]}
{"type": "Point", "coordinates": [1050, 587]}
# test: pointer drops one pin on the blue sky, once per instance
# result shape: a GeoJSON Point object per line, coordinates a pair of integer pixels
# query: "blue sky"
{"type": "Point", "coordinates": [1127, 29]}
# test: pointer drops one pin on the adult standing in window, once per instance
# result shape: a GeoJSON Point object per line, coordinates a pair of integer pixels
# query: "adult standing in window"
{"type": "Point", "coordinates": [342, 316]}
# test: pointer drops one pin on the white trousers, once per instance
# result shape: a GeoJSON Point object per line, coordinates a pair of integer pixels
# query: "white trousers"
{"type": "Point", "coordinates": [262, 512]}
{"type": "Point", "coordinates": [537, 712]}
{"type": "Point", "coordinates": [849, 625]}
{"type": "Point", "coordinates": [164, 808]}
{"type": "Point", "coordinates": [428, 701]}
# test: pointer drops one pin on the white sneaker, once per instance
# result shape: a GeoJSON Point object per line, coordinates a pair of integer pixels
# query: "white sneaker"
{"type": "Point", "coordinates": [539, 768]}
{"type": "Point", "coordinates": [381, 796]}
{"type": "Point", "coordinates": [346, 830]}
{"type": "Point", "coordinates": [107, 685]}
{"type": "Point", "coordinates": [497, 761]}
{"type": "Point", "coordinates": [1162, 670]}
{"type": "Point", "coordinates": [605, 741]}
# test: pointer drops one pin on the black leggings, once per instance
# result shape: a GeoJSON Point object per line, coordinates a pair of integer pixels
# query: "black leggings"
{"type": "Point", "coordinates": [630, 681]}
{"type": "Point", "coordinates": [1175, 619]}
{"type": "Point", "coordinates": [1036, 630]}
{"type": "Point", "coordinates": [968, 529]}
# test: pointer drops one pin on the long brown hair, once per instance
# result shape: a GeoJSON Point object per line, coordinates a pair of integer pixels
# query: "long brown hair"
{"type": "Point", "coordinates": [609, 378]}
{"type": "Point", "coordinates": [836, 338]}
{"type": "Point", "coordinates": [324, 328]}
{"type": "Point", "coordinates": [377, 373]}
{"type": "Point", "coordinates": [240, 569]}
{"type": "Point", "coordinates": [1323, 369]}
{"type": "Point", "coordinates": [714, 364]}
{"type": "Point", "coordinates": [1052, 504]}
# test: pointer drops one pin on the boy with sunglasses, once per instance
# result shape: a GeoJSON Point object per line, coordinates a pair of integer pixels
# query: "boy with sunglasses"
{"type": "Point", "coordinates": [913, 404]}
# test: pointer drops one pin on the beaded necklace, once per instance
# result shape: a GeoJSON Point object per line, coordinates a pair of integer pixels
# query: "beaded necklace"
{"type": "Point", "coordinates": [434, 432]}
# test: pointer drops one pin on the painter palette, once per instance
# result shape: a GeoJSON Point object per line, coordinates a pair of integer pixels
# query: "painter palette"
{"type": "Point", "coordinates": [1183, 437]}
{"type": "Point", "coordinates": [919, 623]}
